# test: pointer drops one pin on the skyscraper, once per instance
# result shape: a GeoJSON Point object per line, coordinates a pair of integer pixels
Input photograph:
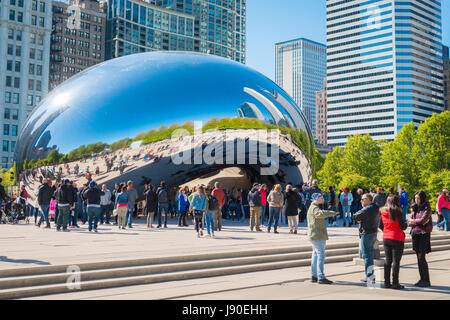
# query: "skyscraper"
{"type": "Point", "coordinates": [79, 47]}
{"type": "Point", "coordinates": [321, 115]}
{"type": "Point", "coordinates": [384, 67]}
{"type": "Point", "coordinates": [24, 65]}
{"type": "Point", "coordinates": [300, 68]}
{"type": "Point", "coordinates": [446, 78]}
{"type": "Point", "coordinates": [182, 25]}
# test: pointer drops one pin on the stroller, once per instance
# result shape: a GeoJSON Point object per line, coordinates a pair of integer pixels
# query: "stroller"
{"type": "Point", "coordinates": [13, 213]}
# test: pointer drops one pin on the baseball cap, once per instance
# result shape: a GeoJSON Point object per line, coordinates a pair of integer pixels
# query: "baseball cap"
{"type": "Point", "coordinates": [92, 184]}
{"type": "Point", "coordinates": [66, 181]}
{"type": "Point", "coordinates": [316, 195]}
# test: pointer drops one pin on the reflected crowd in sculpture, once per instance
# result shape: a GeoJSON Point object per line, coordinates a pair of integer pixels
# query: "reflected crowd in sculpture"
{"type": "Point", "coordinates": [127, 109]}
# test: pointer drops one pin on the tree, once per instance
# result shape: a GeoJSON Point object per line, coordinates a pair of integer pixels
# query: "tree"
{"type": "Point", "coordinates": [400, 162]}
{"type": "Point", "coordinates": [331, 174]}
{"type": "Point", "coordinates": [362, 157]}
{"type": "Point", "coordinates": [433, 143]}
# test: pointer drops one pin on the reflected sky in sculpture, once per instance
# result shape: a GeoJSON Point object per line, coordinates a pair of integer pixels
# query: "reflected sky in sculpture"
{"type": "Point", "coordinates": [126, 96]}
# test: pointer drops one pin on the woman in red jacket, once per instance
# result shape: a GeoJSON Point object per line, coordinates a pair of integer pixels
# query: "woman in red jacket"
{"type": "Point", "coordinates": [392, 223]}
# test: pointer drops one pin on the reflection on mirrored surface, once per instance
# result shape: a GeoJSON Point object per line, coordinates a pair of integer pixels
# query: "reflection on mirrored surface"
{"type": "Point", "coordinates": [142, 98]}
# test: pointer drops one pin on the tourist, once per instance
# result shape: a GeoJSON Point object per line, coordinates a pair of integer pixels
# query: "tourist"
{"type": "Point", "coordinates": [45, 193]}
{"type": "Point", "coordinates": [92, 196]}
{"type": "Point", "coordinates": [105, 205]}
{"type": "Point", "coordinates": [74, 218]}
{"type": "Point", "coordinates": [82, 203]}
{"type": "Point", "coordinates": [114, 195]}
{"type": "Point", "coordinates": [332, 205]}
{"type": "Point", "coordinates": [421, 225]}
{"type": "Point", "coordinates": [263, 193]}
{"type": "Point", "coordinates": [254, 201]}
{"type": "Point", "coordinates": [64, 200]}
{"type": "Point", "coordinates": [392, 224]}
{"type": "Point", "coordinates": [121, 205]}
{"type": "Point", "coordinates": [291, 208]}
{"type": "Point", "coordinates": [443, 206]}
{"type": "Point", "coordinates": [132, 197]}
{"type": "Point", "coordinates": [368, 218]}
{"type": "Point", "coordinates": [346, 199]}
{"type": "Point", "coordinates": [276, 200]}
{"type": "Point", "coordinates": [211, 207]}
{"type": "Point", "coordinates": [151, 203]}
{"type": "Point", "coordinates": [317, 234]}
{"type": "Point", "coordinates": [244, 203]}
{"type": "Point", "coordinates": [380, 197]}
{"type": "Point", "coordinates": [163, 203]}
{"type": "Point", "coordinates": [183, 206]}
{"type": "Point", "coordinates": [220, 196]}
{"type": "Point", "coordinates": [199, 208]}
{"type": "Point", "coordinates": [404, 202]}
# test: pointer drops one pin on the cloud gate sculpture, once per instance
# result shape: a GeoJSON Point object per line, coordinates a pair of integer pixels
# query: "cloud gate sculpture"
{"type": "Point", "coordinates": [166, 116]}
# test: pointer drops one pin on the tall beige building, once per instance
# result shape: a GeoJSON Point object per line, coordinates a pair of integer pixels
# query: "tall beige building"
{"type": "Point", "coordinates": [76, 47]}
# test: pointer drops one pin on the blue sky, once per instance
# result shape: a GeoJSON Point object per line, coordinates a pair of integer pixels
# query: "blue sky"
{"type": "Point", "coordinates": [271, 21]}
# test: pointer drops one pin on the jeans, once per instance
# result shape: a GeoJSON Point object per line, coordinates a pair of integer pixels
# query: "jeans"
{"type": "Point", "coordinates": [246, 211]}
{"type": "Point", "coordinates": [161, 207]}
{"type": "Point", "coordinates": [263, 213]}
{"type": "Point", "coordinates": [63, 217]}
{"type": "Point", "coordinates": [182, 218]}
{"type": "Point", "coordinates": [209, 221]}
{"type": "Point", "coordinates": [93, 213]}
{"type": "Point", "coordinates": [346, 214]}
{"type": "Point", "coordinates": [446, 215]}
{"type": "Point", "coordinates": [105, 212]}
{"type": "Point", "coordinates": [44, 215]}
{"type": "Point", "coordinates": [274, 214]}
{"type": "Point", "coordinates": [393, 250]}
{"type": "Point", "coordinates": [130, 215]}
{"type": "Point", "coordinates": [318, 258]}
{"type": "Point", "coordinates": [405, 211]}
{"type": "Point", "coordinates": [235, 208]}
{"type": "Point", "coordinates": [83, 212]}
{"type": "Point", "coordinates": [367, 243]}
{"type": "Point", "coordinates": [198, 215]}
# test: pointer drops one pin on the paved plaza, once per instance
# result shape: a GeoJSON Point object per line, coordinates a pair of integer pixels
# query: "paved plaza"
{"type": "Point", "coordinates": [26, 246]}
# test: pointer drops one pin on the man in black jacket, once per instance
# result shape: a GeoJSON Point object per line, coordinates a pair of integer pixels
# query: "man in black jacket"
{"type": "Point", "coordinates": [92, 196]}
{"type": "Point", "coordinates": [163, 203]}
{"type": "Point", "coordinates": [45, 193]}
{"type": "Point", "coordinates": [151, 204]}
{"type": "Point", "coordinates": [64, 199]}
{"type": "Point", "coordinates": [368, 218]}
{"type": "Point", "coordinates": [254, 200]}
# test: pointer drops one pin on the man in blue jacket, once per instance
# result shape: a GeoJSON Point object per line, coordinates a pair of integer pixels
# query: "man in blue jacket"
{"type": "Point", "coordinates": [404, 202]}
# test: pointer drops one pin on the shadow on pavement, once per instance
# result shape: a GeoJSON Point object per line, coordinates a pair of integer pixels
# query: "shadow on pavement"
{"type": "Point", "coordinates": [5, 259]}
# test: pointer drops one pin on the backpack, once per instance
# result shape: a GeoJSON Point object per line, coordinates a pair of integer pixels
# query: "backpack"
{"type": "Point", "coordinates": [213, 203]}
{"type": "Point", "coordinates": [162, 196]}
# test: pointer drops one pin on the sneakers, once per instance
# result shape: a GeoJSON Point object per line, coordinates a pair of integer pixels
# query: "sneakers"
{"type": "Point", "coordinates": [212, 236]}
{"type": "Point", "coordinates": [387, 286]}
{"type": "Point", "coordinates": [37, 225]}
{"type": "Point", "coordinates": [47, 227]}
{"type": "Point", "coordinates": [259, 230]}
{"type": "Point", "coordinates": [423, 284]}
{"type": "Point", "coordinates": [268, 230]}
{"type": "Point", "coordinates": [290, 232]}
{"type": "Point", "coordinates": [72, 227]}
{"type": "Point", "coordinates": [313, 279]}
{"type": "Point", "coordinates": [334, 224]}
{"type": "Point", "coordinates": [325, 281]}
{"type": "Point", "coordinates": [95, 230]}
{"type": "Point", "coordinates": [66, 230]}
{"type": "Point", "coordinates": [165, 226]}
{"type": "Point", "coordinates": [295, 231]}
{"type": "Point", "coordinates": [275, 231]}
{"type": "Point", "coordinates": [201, 233]}
{"type": "Point", "coordinates": [58, 229]}
{"type": "Point", "coordinates": [159, 226]}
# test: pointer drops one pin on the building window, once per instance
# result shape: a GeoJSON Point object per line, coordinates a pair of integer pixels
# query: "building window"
{"type": "Point", "coordinates": [6, 129]}
{"type": "Point", "coordinates": [8, 81]}
{"type": "Point", "coordinates": [7, 113]}
{"type": "Point", "coordinates": [30, 84]}
{"type": "Point", "coordinates": [9, 65]}
{"type": "Point", "coordinates": [17, 66]}
{"type": "Point", "coordinates": [31, 69]}
{"type": "Point", "coordinates": [15, 114]}
{"type": "Point", "coordinates": [33, 20]}
{"type": "Point", "coordinates": [13, 146]}
{"type": "Point", "coordinates": [11, 34]}
{"type": "Point", "coordinates": [38, 70]}
{"type": "Point", "coordinates": [18, 51]}
{"type": "Point", "coordinates": [41, 22]}
{"type": "Point", "coordinates": [38, 85]}
{"type": "Point", "coordinates": [17, 83]}
{"type": "Point", "coordinates": [30, 100]}
{"type": "Point", "coordinates": [10, 49]}
{"type": "Point", "coordinates": [12, 15]}
{"type": "Point", "coordinates": [14, 130]}
{"type": "Point", "coordinates": [5, 146]}
{"type": "Point", "coordinates": [41, 6]}
{"type": "Point", "coordinates": [4, 162]}
{"type": "Point", "coordinates": [7, 97]}
{"type": "Point", "coordinates": [19, 35]}
{"type": "Point", "coordinates": [15, 98]}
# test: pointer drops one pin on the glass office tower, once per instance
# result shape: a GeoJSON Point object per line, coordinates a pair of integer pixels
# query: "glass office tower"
{"type": "Point", "coordinates": [384, 66]}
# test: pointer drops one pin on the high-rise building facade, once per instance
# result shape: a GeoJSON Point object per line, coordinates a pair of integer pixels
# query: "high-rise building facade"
{"type": "Point", "coordinates": [76, 47]}
{"type": "Point", "coordinates": [181, 25]}
{"type": "Point", "coordinates": [25, 27]}
{"type": "Point", "coordinates": [446, 78]}
{"type": "Point", "coordinates": [321, 115]}
{"type": "Point", "coordinates": [384, 66]}
{"type": "Point", "coordinates": [300, 68]}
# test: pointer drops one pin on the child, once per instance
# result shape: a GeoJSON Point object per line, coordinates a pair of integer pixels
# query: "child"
{"type": "Point", "coordinates": [51, 212]}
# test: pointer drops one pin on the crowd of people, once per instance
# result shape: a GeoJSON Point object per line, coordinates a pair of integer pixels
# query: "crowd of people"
{"type": "Point", "coordinates": [371, 209]}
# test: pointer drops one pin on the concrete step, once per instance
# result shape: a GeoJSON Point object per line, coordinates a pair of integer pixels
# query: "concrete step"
{"type": "Point", "coordinates": [15, 293]}
{"type": "Point", "coordinates": [23, 281]}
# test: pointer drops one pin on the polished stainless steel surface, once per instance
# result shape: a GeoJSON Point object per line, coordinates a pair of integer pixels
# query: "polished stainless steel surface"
{"type": "Point", "coordinates": [130, 95]}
